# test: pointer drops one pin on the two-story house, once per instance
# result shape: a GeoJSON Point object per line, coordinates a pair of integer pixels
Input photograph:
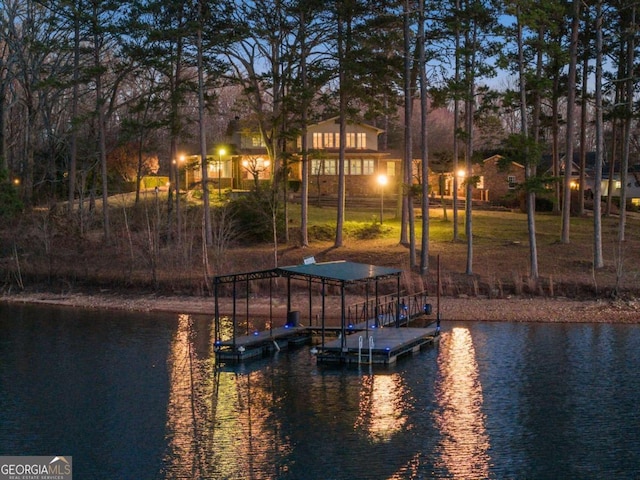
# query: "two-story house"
{"type": "Point", "coordinates": [243, 163]}
{"type": "Point", "coordinates": [364, 162]}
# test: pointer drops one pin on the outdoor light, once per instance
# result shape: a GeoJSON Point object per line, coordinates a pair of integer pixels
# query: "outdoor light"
{"type": "Point", "coordinates": [382, 181]}
{"type": "Point", "coordinates": [221, 152]}
{"type": "Point", "coordinates": [462, 173]}
{"type": "Point", "coordinates": [183, 159]}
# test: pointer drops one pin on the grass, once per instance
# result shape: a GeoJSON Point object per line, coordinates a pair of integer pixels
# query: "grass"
{"type": "Point", "coordinates": [501, 254]}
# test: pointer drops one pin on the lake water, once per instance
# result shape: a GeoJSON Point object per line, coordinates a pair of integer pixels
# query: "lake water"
{"type": "Point", "coordinates": [138, 396]}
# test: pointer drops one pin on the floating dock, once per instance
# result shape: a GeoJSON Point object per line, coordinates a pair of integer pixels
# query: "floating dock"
{"type": "Point", "coordinates": [378, 346]}
{"type": "Point", "coordinates": [377, 330]}
{"type": "Point", "coordinates": [261, 343]}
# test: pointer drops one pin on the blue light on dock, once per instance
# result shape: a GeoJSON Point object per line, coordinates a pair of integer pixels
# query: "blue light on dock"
{"type": "Point", "coordinates": [350, 325]}
{"type": "Point", "coordinates": [256, 333]}
{"type": "Point", "coordinates": [388, 349]}
{"type": "Point", "coordinates": [218, 343]}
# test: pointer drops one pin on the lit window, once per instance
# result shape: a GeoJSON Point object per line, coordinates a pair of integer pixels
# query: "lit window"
{"type": "Point", "coordinates": [351, 140]}
{"type": "Point", "coordinates": [257, 141]}
{"type": "Point", "coordinates": [355, 167]}
{"type": "Point", "coordinates": [330, 167]}
{"type": "Point", "coordinates": [317, 140]}
{"type": "Point", "coordinates": [368, 167]}
{"type": "Point", "coordinates": [362, 140]}
{"type": "Point", "coordinates": [391, 169]}
{"type": "Point", "coordinates": [316, 167]}
{"type": "Point", "coordinates": [328, 140]}
{"type": "Point", "coordinates": [511, 180]}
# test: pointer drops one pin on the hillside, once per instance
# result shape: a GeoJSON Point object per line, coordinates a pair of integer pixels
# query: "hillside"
{"type": "Point", "coordinates": [53, 256]}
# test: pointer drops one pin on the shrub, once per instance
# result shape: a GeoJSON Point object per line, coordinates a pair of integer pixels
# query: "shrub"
{"type": "Point", "coordinates": [253, 217]}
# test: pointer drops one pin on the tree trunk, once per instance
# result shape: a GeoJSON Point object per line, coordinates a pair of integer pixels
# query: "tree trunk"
{"type": "Point", "coordinates": [598, 261]}
{"type": "Point", "coordinates": [571, 97]}
{"type": "Point", "coordinates": [424, 154]}
{"type": "Point", "coordinates": [206, 209]}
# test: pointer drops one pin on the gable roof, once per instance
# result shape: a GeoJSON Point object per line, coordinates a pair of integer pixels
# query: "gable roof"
{"type": "Point", "coordinates": [498, 157]}
{"type": "Point", "coordinates": [336, 119]}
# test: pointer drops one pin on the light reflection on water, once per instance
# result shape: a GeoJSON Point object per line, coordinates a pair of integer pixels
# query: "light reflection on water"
{"type": "Point", "coordinates": [464, 444]}
{"type": "Point", "coordinates": [140, 396]}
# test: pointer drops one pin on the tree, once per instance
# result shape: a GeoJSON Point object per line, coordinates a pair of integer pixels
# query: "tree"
{"type": "Point", "coordinates": [598, 261]}
{"type": "Point", "coordinates": [571, 96]}
{"type": "Point", "coordinates": [477, 20]}
{"type": "Point", "coordinates": [424, 154]}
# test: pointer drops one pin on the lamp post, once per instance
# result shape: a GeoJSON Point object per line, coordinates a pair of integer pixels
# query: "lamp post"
{"type": "Point", "coordinates": [221, 152]}
{"type": "Point", "coordinates": [382, 181]}
{"type": "Point", "coordinates": [186, 173]}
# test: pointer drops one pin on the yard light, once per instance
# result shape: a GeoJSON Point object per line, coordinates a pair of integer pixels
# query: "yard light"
{"type": "Point", "coordinates": [183, 159]}
{"type": "Point", "coordinates": [221, 152]}
{"type": "Point", "coordinates": [382, 181]}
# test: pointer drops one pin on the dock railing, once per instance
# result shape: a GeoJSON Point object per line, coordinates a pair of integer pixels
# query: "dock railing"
{"type": "Point", "coordinates": [389, 310]}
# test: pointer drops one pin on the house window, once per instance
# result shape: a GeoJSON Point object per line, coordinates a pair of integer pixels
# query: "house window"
{"type": "Point", "coordinates": [328, 140]}
{"type": "Point", "coordinates": [351, 140]}
{"type": "Point", "coordinates": [368, 167]}
{"type": "Point", "coordinates": [355, 167]}
{"type": "Point", "coordinates": [317, 140]}
{"type": "Point", "coordinates": [330, 167]}
{"type": "Point", "coordinates": [316, 167]}
{"type": "Point", "coordinates": [480, 183]}
{"type": "Point", "coordinates": [257, 141]}
{"type": "Point", "coordinates": [362, 140]}
{"type": "Point", "coordinates": [391, 169]}
{"type": "Point", "coordinates": [511, 180]}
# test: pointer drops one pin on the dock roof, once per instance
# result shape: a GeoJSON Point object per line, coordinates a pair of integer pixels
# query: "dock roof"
{"type": "Point", "coordinates": [340, 271]}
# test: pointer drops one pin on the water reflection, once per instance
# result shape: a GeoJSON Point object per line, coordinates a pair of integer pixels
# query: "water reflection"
{"type": "Point", "coordinates": [140, 396]}
{"type": "Point", "coordinates": [382, 412]}
{"type": "Point", "coordinates": [464, 444]}
{"type": "Point", "coordinates": [220, 424]}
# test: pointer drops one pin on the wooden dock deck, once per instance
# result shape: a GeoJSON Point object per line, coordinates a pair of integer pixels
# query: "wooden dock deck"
{"type": "Point", "coordinates": [378, 346]}
{"type": "Point", "coordinates": [260, 343]}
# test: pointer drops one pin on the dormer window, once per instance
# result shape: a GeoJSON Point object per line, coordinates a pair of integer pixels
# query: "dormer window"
{"type": "Point", "coordinates": [257, 141]}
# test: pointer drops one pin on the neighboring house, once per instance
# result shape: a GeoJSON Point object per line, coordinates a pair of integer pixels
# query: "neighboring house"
{"type": "Point", "coordinates": [495, 182]}
{"type": "Point", "coordinates": [498, 181]}
{"type": "Point", "coordinates": [632, 191]}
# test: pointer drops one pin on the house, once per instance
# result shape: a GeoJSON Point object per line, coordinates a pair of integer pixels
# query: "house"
{"type": "Point", "coordinates": [243, 162]}
{"type": "Point", "coordinates": [364, 162]}
{"type": "Point", "coordinates": [632, 191]}
{"type": "Point", "coordinates": [495, 180]}
{"type": "Point", "coordinates": [498, 179]}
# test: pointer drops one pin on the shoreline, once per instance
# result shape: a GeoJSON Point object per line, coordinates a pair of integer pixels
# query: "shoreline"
{"type": "Point", "coordinates": [512, 309]}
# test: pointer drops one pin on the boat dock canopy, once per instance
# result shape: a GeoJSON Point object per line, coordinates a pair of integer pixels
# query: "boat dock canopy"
{"type": "Point", "coordinates": [339, 272]}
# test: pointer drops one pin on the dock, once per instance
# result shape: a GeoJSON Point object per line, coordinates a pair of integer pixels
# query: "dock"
{"type": "Point", "coordinates": [381, 346]}
{"type": "Point", "coordinates": [386, 325]}
{"type": "Point", "coordinates": [261, 343]}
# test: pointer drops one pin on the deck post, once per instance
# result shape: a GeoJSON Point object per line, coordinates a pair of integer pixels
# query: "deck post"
{"type": "Point", "coordinates": [216, 323]}
{"type": "Point", "coordinates": [234, 313]}
{"type": "Point", "coordinates": [398, 305]}
{"type": "Point", "coordinates": [343, 311]}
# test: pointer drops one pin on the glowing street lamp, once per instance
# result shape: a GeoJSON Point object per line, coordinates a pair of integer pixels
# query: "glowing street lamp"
{"type": "Point", "coordinates": [221, 152]}
{"type": "Point", "coordinates": [382, 181]}
{"type": "Point", "coordinates": [183, 159]}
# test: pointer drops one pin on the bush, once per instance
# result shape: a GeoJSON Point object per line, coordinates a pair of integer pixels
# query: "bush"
{"type": "Point", "coordinates": [253, 217]}
{"type": "Point", "coordinates": [355, 230]}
